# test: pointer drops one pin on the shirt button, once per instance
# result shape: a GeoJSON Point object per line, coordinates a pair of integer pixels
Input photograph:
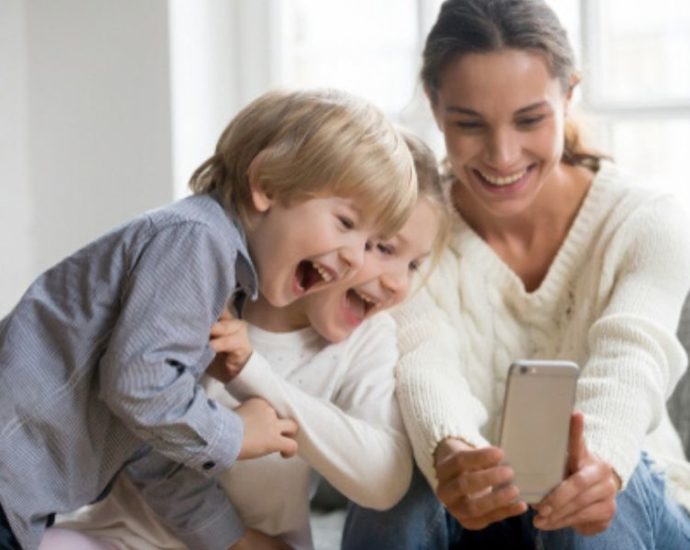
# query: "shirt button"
{"type": "Point", "coordinates": [208, 465]}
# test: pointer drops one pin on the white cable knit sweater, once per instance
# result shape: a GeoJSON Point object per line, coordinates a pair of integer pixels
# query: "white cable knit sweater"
{"type": "Point", "coordinates": [610, 301]}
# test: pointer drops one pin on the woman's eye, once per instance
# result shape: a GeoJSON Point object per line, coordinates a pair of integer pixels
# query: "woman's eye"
{"type": "Point", "coordinates": [530, 121]}
{"type": "Point", "coordinates": [466, 125]}
{"type": "Point", "coordinates": [346, 222]}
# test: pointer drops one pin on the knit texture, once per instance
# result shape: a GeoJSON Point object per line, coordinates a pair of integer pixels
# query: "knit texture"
{"type": "Point", "coordinates": [610, 301]}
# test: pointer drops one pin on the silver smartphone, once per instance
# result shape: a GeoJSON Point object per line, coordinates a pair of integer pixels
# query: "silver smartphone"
{"type": "Point", "coordinates": [539, 400]}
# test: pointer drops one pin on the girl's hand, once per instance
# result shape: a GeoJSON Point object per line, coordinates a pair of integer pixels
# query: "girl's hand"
{"type": "Point", "coordinates": [586, 499]}
{"type": "Point", "coordinates": [230, 341]}
{"type": "Point", "coordinates": [473, 485]}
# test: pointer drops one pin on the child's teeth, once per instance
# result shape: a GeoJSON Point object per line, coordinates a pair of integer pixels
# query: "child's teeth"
{"type": "Point", "coordinates": [364, 297]}
{"type": "Point", "coordinates": [507, 180]}
{"type": "Point", "coordinates": [325, 275]}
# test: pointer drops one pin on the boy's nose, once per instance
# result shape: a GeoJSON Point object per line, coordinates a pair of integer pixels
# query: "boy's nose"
{"type": "Point", "coordinates": [353, 254]}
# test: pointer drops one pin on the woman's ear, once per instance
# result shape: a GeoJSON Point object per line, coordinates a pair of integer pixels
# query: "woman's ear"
{"type": "Point", "coordinates": [574, 81]}
{"type": "Point", "coordinates": [261, 200]}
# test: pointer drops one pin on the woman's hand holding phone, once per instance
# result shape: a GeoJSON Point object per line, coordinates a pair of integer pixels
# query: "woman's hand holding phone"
{"type": "Point", "coordinates": [586, 499]}
{"type": "Point", "coordinates": [473, 484]}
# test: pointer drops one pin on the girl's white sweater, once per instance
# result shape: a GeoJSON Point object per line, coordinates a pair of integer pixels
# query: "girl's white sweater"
{"type": "Point", "coordinates": [610, 301]}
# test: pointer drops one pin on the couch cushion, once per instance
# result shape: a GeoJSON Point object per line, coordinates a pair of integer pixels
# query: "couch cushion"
{"type": "Point", "coordinates": [679, 403]}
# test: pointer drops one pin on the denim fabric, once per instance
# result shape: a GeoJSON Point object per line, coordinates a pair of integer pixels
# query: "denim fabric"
{"type": "Point", "coordinates": [646, 519]}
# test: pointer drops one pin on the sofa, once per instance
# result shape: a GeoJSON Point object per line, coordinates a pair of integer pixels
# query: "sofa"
{"type": "Point", "coordinates": [679, 403]}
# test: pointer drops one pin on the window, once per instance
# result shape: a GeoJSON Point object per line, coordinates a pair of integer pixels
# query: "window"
{"type": "Point", "coordinates": [634, 98]}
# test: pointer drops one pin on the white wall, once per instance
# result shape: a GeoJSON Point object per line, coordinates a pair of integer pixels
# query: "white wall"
{"type": "Point", "coordinates": [107, 106]}
{"type": "Point", "coordinates": [16, 254]}
{"type": "Point", "coordinates": [85, 107]}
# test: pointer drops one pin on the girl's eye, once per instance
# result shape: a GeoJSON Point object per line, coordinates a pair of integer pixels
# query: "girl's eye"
{"type": "Point", "coordinates": [346, 222]}
{"type": "Point", "coordinates": [386, 249]}
{"type": "Point", "coordinates": [414, 266]}
{"type": "Point", "coordinates": [368, 246]}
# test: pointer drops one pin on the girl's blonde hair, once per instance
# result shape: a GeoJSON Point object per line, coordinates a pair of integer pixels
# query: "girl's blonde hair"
{"type": "Point", "coordinates": [433, 189]}
{"type": "Point", "coordinates": [303, 144]}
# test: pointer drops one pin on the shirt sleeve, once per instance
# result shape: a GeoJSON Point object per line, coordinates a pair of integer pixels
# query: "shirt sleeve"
{"type": "Point", "coordinates": [158, 349]}
{"type": "Point", "coordinates": [194, 507]}
{"type": "Point", "coordinates": [635, 357]}
{"type": "Point", "coordinates": [356, 442]}
{"type": "Point", "coordinates": [434, 395]}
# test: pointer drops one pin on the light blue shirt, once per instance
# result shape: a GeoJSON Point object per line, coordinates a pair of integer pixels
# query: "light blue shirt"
{"type": "Point", "coordinates": [100, 362]}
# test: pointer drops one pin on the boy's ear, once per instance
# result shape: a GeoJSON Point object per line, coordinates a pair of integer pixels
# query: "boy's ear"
{"type": "Point", "coordinates": [261, 200]}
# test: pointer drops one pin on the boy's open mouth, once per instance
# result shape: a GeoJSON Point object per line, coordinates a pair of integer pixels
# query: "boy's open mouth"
{"type": "Point", "coordinates": [359, 304]}
{"type": "Point", "coordinates": [310, 273]}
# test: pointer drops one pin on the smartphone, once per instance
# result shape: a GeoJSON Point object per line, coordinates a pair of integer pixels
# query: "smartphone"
{"type": "Point", "coordinates": [538, 403]}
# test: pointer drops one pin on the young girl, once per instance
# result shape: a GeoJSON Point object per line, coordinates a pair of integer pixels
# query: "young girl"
{"type": "Point", "coordinates": [327, 362]}
{"type": "Point", "coordinates": [553, 255]}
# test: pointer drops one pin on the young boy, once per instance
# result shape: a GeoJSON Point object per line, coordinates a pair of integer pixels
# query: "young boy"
{"type": "Point", "coordinates": [327, 361]}
{"type": "Point", "coordinates": [100, 360]}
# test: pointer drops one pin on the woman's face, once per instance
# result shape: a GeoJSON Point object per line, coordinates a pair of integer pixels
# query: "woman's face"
{"type": "Point", "coordinates": [502, 115]}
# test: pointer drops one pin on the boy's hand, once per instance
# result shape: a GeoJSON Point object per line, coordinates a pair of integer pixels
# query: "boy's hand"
{"type": "Point", "coordinates": [256, 540]}
{"type": "Point", "coordinates": [230, 341]}
{"type": "Point", "coordinates": [264, 432]}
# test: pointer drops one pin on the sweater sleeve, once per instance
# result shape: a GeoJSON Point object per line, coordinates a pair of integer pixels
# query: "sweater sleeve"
{"type": "Point", "coordinates": [434, 395]}
{"type": "Point", "coordinates": [357, 441]}
{"type": "Point", "coordinates": [635, 358]}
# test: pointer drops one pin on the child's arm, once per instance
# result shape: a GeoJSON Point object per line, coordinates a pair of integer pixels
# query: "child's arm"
{"type": "Point", "coordinates": [177, 284]}
{"type": "Point", "coordinates": [356, 442]}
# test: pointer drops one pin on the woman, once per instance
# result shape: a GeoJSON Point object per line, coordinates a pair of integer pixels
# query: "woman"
{"type": "Point", "coordinates": [554, 255]}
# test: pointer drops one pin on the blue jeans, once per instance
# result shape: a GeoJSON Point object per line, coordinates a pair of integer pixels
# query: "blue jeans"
{"type": "Point", "coordinates": [646, 519]}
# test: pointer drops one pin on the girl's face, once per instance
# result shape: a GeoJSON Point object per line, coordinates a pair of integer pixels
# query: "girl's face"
{"type": "Point", "coordinates": [502, 115]}
{"type": "Point", "coordinates": [383, 282]}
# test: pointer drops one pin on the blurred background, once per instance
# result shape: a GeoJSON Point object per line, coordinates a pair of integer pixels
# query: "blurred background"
{"type": "Point", "coordinates": [107, 106]}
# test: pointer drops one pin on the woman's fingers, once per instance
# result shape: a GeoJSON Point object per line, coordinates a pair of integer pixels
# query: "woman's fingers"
{"type": "Point", "coordinates": [475, 482]}
{"type": "Point", "coordinates": [593, 518]}
{"type": "Point", "coordinates": [464, 461]}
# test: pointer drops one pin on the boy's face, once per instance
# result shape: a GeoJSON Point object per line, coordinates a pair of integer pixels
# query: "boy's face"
{"type": "Point", "coordinates": [304, 247]}
{"type": "Point", "coordinates": [383, 282]}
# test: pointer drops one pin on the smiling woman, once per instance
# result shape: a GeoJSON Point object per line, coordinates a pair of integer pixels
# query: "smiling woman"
{"type": "Point", "coordinates": [554, 255]}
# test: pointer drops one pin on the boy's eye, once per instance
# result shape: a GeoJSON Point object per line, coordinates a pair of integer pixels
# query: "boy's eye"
{"type": "Point", "coordinates": [346, 222]}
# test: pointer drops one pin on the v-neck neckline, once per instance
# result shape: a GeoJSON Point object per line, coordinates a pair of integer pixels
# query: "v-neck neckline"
{"type": "Point", "coordinates": [563, 261]}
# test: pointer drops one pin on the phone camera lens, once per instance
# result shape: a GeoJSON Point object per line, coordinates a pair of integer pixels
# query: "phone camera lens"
{"type": "Point", "coordinates": [523, 370]}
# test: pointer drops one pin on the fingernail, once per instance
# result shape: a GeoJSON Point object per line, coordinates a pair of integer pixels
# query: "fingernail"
{"type": "Point", "coordinates": [545, 511]}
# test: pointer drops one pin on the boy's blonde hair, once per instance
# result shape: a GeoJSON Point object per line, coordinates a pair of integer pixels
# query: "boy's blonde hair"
{"type": "Point", "coordinates": [433, 189]}
{"type": "Point", "coordinates": [311, 143]}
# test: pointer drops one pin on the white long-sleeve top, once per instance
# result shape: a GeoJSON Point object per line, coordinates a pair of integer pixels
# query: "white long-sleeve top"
{"type": "Point", "coordinates": [350, 431]}
{"type": "Point", "coordinates": [611, 301]}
